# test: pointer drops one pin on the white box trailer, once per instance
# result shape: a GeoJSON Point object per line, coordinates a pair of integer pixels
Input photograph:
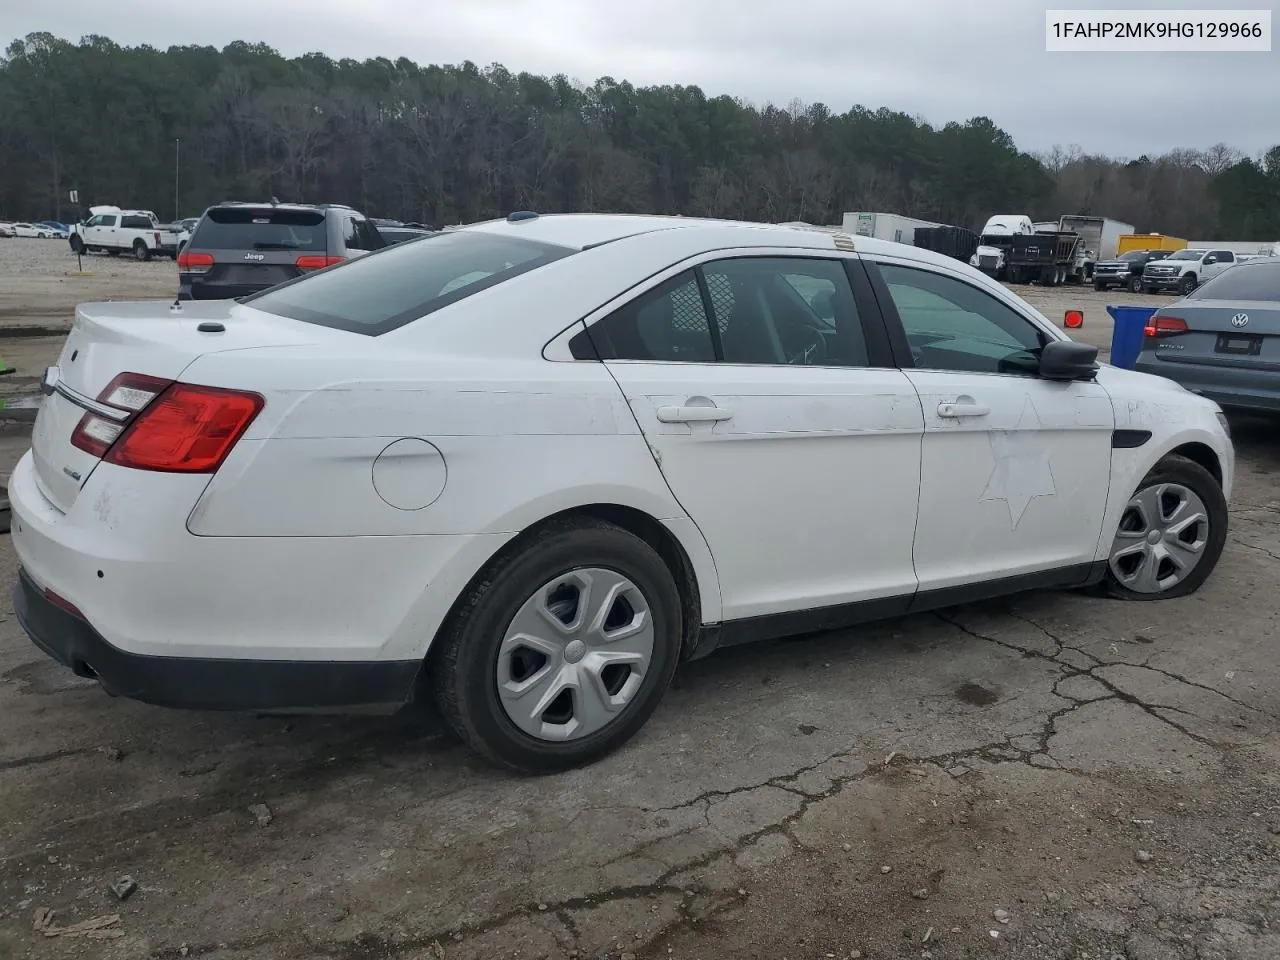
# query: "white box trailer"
{"type": "Point", "coordinates": [1101, 235]}
{"type": "Point", "coordinates": [885, 226]}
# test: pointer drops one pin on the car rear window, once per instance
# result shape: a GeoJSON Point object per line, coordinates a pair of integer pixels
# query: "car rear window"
{"type": "Point", "coordinates": [230, 228]}
{"type": "Point", "coordinates": [381, 291]}
{"type": "Point", "coordinates": [1248, 281]}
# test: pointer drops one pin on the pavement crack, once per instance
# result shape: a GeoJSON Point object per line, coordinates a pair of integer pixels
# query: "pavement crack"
{"type": "Point", "coordinates": [1253, 546]}
{"type": "Point", "coordinates": [1149, 709]}
{"type": "Point", "coordinates": [38, 758]}
{"type": "Point", "coordinates": [1179, 678]}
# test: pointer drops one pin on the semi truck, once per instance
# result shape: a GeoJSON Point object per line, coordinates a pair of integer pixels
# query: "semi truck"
{"type": "Point", "coordinates": [885, 226]}
{"type": "Point", "coordinates": [995, 239]}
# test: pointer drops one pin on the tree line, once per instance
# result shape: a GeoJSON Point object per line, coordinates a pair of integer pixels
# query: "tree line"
{"type": "Point", "coordinates": [175, 130]}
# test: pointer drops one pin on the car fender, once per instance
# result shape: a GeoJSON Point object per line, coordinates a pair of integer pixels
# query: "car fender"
{"type": "Point", "coordinates": [1147, 431]}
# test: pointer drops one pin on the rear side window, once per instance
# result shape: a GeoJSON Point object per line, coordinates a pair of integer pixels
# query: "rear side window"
{"type": "Point", "coordinates": [135, 223]}
{"type": "Point", "coordinates": [1247, 281]}
{"type": "Point", "coordinates": [399, 284]}
{"type": "Point", "coordinates": [232, 228]}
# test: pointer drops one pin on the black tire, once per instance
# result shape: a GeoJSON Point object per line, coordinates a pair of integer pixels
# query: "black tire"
{"type": "Point", "coordinates": [141, 252]}
{"type": "Point", "coordinates": [1147, 290]}
{"type": "Point", "coordinates": [461, 667]}
{"type": "Point", "coordinates": [1187, 284]}
{"type": "Point", "coordinates": [1175, 469]}
{"type": "Point", "coordinates": [1100, 287]}
{"type": "Point", "coordinates": [1135, 285]}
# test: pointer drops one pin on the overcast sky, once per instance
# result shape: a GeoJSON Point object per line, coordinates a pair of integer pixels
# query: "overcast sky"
{"type": "Point", "coordinates": [939, 59]}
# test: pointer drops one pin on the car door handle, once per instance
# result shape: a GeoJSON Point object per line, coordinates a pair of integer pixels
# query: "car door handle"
{"type": "Point", "coordinates": [962, 409]}
{"type": "Point", "coordinates": [692, 414]}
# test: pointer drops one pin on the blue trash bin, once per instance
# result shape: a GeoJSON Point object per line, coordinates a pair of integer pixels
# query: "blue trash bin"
{"type": "Point", "coordinates": [1126, 338]}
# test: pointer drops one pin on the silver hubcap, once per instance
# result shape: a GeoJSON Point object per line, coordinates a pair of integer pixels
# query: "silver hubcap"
{"type": "Point", "coordinates": [1161, 538]}
{"type": "Point", "coordinates": [575, 654]}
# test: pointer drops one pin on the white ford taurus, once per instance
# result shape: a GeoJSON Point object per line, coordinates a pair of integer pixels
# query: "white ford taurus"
{"type": "Point", "coordinates": [530, 465]}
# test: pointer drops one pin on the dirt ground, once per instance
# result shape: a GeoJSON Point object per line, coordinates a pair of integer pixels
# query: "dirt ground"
{"type": "Point", "coordinates": [1053, 776]}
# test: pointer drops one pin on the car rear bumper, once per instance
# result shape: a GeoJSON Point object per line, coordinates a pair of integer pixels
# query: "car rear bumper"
{"type": "Point", "coordinates": [261, 622]}
{"type": "Point", "coordinates": [1229, 388]}
{"type": "Point", "coordinates": [201, 682]}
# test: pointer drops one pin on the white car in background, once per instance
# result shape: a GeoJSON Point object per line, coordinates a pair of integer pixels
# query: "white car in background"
{"type": "Point", "coordinates": [36, 231]}
{"type": "Point", "coordinates": [530, 465]}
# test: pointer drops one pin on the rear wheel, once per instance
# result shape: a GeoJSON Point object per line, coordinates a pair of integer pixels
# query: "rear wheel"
{"type": "Point", "coordinates": [563, 650]}
{"type": "Point", "coordinates": [1171, 534]}
{"type": "Point", "coordinates": [1187, 284]}
{"type": "Point", "coordinates": [141, 251]}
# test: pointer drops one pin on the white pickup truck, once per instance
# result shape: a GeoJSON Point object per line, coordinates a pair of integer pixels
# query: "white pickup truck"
{"type": "Point", "coordinates": [115, 231]}
{"type": "Point", "coordinates": [1185, 270]}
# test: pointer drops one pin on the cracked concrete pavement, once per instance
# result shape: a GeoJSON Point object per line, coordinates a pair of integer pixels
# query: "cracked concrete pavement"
{"type": "Point", "coordinates": [1105, 775]}
{"type": "Point", "coordinates": [807, 798]}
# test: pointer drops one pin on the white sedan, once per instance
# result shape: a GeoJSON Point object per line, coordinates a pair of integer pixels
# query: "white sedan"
{"type": "Point", "coordinates": [528, 466]}
{"type": "Point", "coordinates": [32, 231]}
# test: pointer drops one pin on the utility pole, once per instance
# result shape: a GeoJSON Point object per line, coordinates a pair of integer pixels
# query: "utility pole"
{"type": "Point", "coordinates": [177, 143]}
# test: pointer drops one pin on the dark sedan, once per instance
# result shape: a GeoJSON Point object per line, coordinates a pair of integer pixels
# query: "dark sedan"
{"type": "Point", "coordinates": [1223, 339]}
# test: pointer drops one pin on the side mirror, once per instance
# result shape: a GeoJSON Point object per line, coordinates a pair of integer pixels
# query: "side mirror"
{"type": "Point", "coordinates": [1067, 360]}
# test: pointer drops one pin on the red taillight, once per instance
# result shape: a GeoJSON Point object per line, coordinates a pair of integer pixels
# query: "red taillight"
{"type": "Point", "coordinates": [316, 262]}
{"type": "Point", "coordinates": [166, 426]}
{"type": "Point", "coordinates": [128, 393]}
{"type": "Point", "coordinates": [187, 429]}
{"type": "Point", "coordinates": [1159, 326]}
{"type": "Point", "coordinates": [195, 262]}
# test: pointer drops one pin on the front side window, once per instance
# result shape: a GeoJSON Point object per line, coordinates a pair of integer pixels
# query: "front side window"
{"type": "Point", "coordinates": [375, 294]}
{"type": "Point", "coordinates": [952, 325]}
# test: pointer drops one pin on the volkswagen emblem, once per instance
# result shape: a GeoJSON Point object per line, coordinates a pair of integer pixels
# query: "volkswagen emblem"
{"type": "Point", "coordinates": [1240, 319]}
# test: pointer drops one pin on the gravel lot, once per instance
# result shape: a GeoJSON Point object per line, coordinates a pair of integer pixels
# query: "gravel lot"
{"type": "Point", "coordinates": [1054, 776]}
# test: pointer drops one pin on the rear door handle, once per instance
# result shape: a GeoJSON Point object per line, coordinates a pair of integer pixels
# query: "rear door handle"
{"type": "Point", "coordinates": [692, 414]}
{"type": "Point", "coordinates": [965, 408]}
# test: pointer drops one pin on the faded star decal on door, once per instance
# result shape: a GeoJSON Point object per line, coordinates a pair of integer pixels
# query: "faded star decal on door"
{"type": "Point", "coordinates": [1021, 470]}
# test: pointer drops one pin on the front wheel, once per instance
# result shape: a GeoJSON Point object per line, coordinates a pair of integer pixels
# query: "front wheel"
{"type": "Point", "coordinates": [562, 651]}
{"type": "Point", "coordinates": [1187, 284]}
{"type": "Point", "coordinates": [1135, 285]}
{"type": "Point", "coordinates": [1171, 533]}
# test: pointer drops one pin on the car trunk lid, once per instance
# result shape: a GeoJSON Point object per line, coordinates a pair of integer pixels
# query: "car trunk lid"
{"type": "Point", "coordinates": [1235, 334]}
{"type": "Point", "coordinates": [153, 339]}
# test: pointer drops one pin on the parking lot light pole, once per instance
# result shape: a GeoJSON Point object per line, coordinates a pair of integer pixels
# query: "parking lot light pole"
{"type": "Point", "coordinates": [177, 143]}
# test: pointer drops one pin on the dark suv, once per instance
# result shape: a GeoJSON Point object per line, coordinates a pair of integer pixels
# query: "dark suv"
{"type": "Point", "coordinates": [241, 248]}
{"type": "Point", "coordinates": [1125, 270]}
